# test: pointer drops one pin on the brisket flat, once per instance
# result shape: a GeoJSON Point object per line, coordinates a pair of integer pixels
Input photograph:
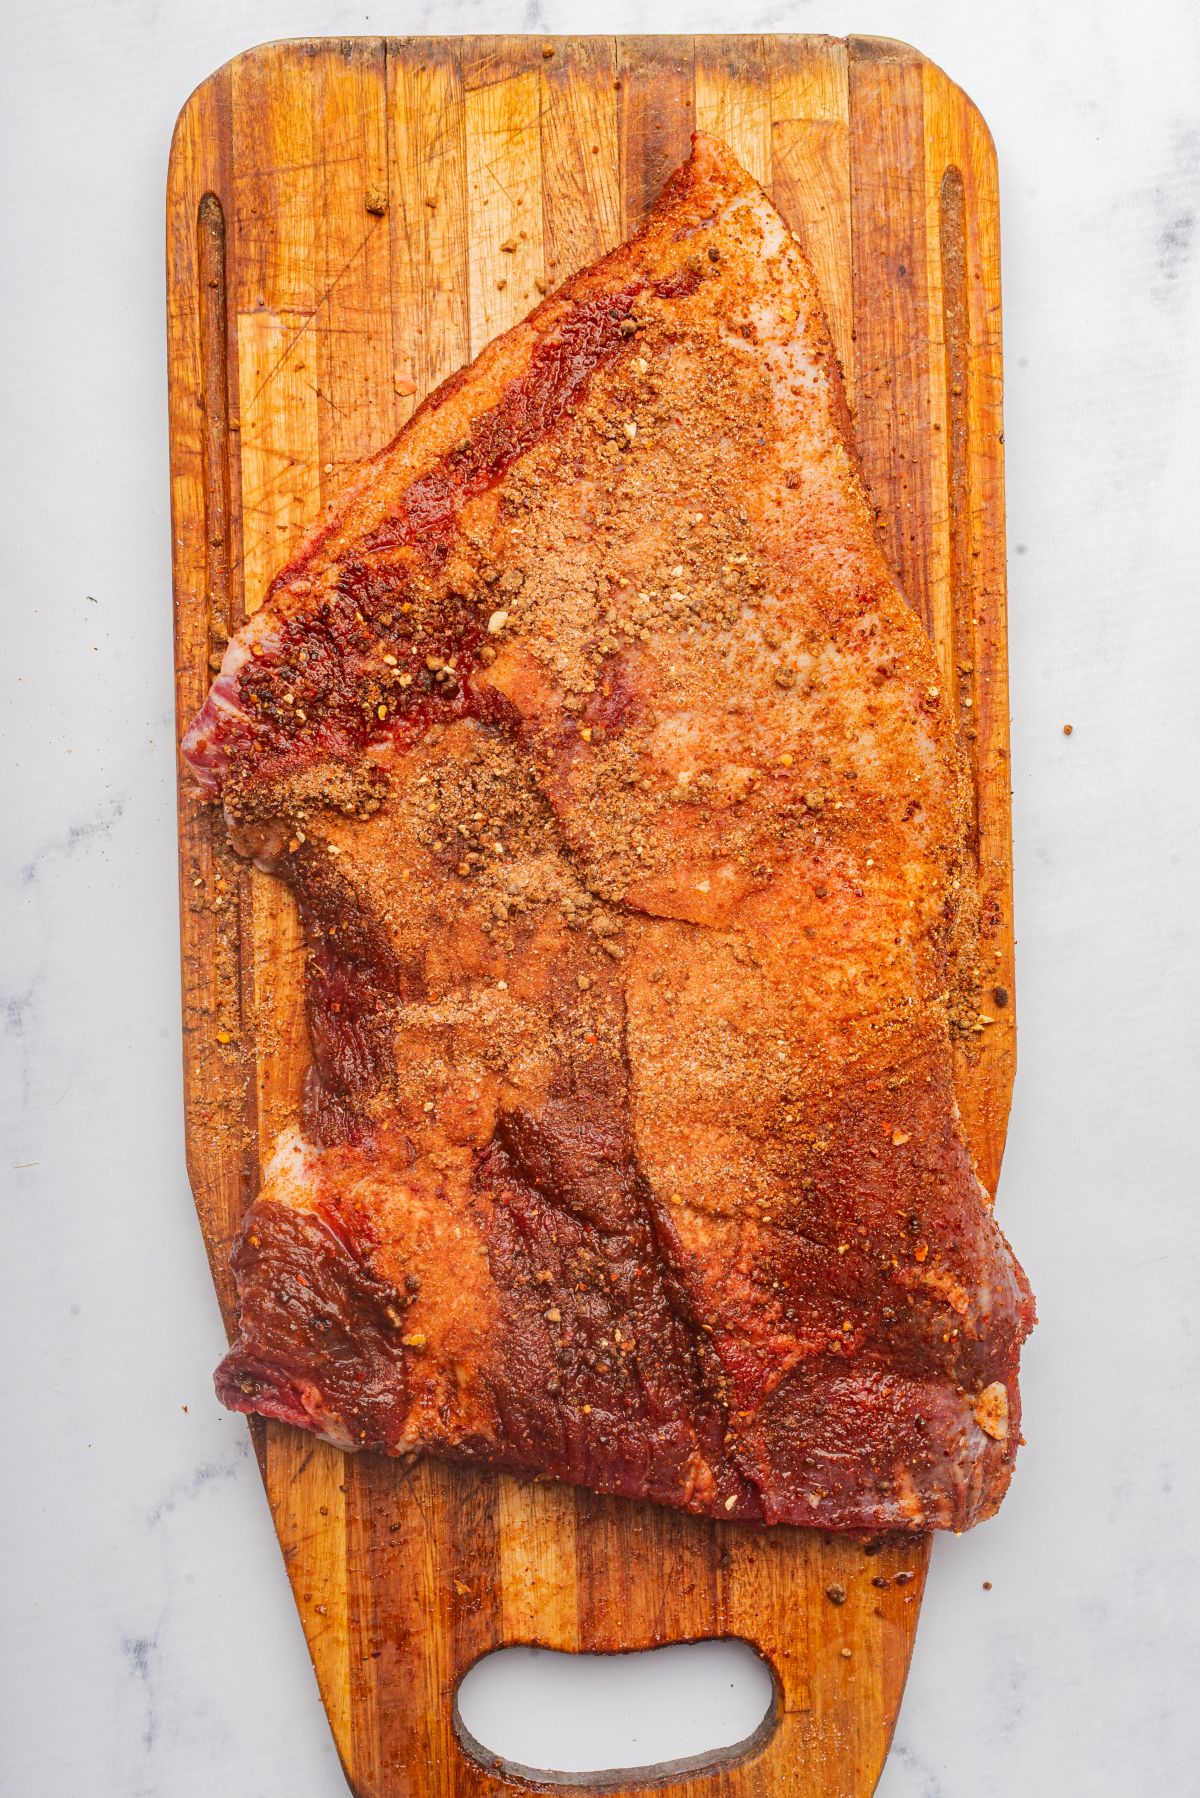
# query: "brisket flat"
{"type": "Point", "coordinates": [630, 836]}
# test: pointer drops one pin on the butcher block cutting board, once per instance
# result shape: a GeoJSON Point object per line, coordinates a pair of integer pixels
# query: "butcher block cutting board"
{"type": "Point", "coordinates": [336, 211]}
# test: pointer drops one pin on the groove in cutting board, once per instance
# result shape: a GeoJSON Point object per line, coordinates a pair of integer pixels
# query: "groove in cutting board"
{"type": "Point", "coordinates": [303, 329]}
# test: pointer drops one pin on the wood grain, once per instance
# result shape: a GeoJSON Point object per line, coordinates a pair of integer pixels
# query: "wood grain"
{"type": "Point", "coordinates": [304, 325]}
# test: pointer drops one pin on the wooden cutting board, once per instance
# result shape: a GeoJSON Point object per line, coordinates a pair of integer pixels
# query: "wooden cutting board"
{"type": "Point", "coordinates": [335, 214]}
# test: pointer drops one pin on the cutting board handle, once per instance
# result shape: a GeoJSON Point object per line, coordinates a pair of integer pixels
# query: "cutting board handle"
{"type": "Point", "coordinates": [692, 1770]}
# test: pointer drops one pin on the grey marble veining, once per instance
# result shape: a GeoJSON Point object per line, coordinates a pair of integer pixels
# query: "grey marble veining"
{"type": "Point", "coordinates": [150, 1648]}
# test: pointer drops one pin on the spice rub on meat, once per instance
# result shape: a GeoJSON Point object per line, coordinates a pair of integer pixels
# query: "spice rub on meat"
{"type": "Point", "coordinates": [629, 832]}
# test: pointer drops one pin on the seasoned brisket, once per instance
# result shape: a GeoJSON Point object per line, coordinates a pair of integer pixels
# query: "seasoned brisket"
{"type": "Point", "coordinates": [630, 835]}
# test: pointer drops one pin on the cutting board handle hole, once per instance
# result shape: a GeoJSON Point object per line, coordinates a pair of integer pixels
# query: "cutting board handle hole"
{"type": "Point", "coordinates": [536, 1714]}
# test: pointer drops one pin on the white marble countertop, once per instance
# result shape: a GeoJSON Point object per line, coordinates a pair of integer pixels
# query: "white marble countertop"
{"type": "Point", "coordinates": [150, 1647]}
